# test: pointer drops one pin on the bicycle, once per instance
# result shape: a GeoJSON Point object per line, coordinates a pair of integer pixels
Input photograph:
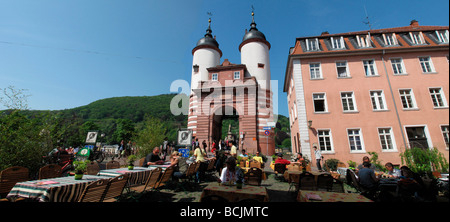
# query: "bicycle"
{"type": "Point", "coordinates": [63, 160]}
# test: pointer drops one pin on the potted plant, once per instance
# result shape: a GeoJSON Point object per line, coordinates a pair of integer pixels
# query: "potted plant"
{"type": "Point", "coordinates": [80, 168]}
{"type": "Point", "coordinates": [131, 160]}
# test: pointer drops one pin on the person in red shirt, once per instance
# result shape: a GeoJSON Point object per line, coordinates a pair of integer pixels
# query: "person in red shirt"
{"type": "Point", "coordinates": [281, 160]}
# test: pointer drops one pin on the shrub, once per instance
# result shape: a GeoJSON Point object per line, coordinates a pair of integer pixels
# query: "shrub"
{"type": "Point", "coordinates": [424, 161]}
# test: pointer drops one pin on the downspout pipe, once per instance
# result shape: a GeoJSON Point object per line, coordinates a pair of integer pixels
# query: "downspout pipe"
{"type": "Point", "coordinates": [395, 105]}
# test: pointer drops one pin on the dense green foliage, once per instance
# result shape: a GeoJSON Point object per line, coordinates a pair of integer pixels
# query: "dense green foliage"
{"type": "Point", "coordinates": [424, 161]}
{"type": "Point", "coordinates": [23, 141]}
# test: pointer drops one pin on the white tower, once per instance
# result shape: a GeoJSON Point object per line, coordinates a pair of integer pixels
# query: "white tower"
{"type": "Point", "coordinates": [255, 55]}
{"type": "Point", "coordinates": [205, 55]}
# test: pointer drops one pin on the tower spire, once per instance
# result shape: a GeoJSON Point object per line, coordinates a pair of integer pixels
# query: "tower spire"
{"type": "Point", "coordinates": [209, 31]}
{"type": "Point", "coordinates": [253, 25]}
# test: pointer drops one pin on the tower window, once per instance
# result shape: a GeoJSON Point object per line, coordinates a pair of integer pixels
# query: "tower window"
{"type": "Point", "coordinates": [260, 65]}
{"type": "Point", "coordinates": [195, 67]}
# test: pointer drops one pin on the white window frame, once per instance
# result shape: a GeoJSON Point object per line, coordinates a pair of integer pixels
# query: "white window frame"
{"type": "Point", "coordinates": [445, 135]}
{"type": "Point", "coordinates": [424, 61]}
{"type": "Point", "coordinates": [384, 134]}
{"type": "Point", "coordinates": [439, 94]}
{"type": "Point", "coordinates": [398, 65]}
{"type": "Point", "coordinates": [329, 136]}
{"type": "Point", "coordinates": [417, 38]}
{"type": "Point", "coordinates": [215, 75]}
{"type": "Point", "coordinates": [370, 67]}
{"type": "Point", "coordinates": [238, 75]}
{"type": "Point", "coordinates": [413, 100]}
{"type": "Point", "coordinates": [325, 102]}
{"type": "Point", "coordinates": [360, 134]}
{"type": "Point", "coordinates": [375, 96]}
{"type": "Point", "coordinates": [337, 43]}
{"type": "Point", "coordinates": [353, 100]}
{"type": "Point", "coordinates": [363, 41]}
{"type": "Point", "coordinates": [316, 70]}
{"type": "Point", "coordinates": [390, 39]}
{"type": "Point", "coordinates": [312, 44]}
{"type": "Point", "coordinates": [442, 36]}
{"type": "Point", "coordinates": [425, 129]}
{"type": "Point", "coordinates": [339, 65]}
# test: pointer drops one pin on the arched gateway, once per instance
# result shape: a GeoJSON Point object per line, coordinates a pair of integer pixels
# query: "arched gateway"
{"type": "Point", "coordinates": [227, 90]}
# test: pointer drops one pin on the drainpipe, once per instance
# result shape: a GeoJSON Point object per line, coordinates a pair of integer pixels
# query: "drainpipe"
{"type": "Point", "coordinates": [395, 105]}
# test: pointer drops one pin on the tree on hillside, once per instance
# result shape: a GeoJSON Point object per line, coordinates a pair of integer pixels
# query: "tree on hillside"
{"type": "Point", "coordinates": [151, 135]}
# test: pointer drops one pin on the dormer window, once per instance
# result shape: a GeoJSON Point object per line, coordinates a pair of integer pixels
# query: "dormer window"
{"type": "Point", "coordinates": [442, 36]}
{"type": "Point", "coordinates": [390, 39]}
{"type": "Point", "coordinates": [215, 76]}
{"type": "Point", "coordinates": [337, 42]}
{"type": "Point", "coordinates": [237, 75]}
{"type": "Point", "coordinates": [417, 38]}
{"type": "Point", "coordinates": [363, 41]}
{"type": "Point", "coordinates": [312, 44]}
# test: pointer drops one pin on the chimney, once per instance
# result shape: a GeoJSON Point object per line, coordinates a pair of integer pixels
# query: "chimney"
{"type": "Point", "coordinates": [246, 31]}
{"type": "Point", "coordinates": [325, 33]}
{"type": "Point", "coordinates": [414, 23]}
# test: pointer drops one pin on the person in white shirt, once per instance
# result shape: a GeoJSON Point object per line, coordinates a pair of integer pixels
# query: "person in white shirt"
{"type": "Point", "coordinates": [318, 157]}
{"type": "Point", "coordinates": [392, 172]}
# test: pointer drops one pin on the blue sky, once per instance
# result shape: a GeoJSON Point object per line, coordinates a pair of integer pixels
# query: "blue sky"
{"type": "Point", "coordinates": [71, 53]}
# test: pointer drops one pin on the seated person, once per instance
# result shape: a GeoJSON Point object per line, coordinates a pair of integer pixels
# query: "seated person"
{"type": "Point", "coordinates": [281, 160]}
{"type": "Point", "coordinates": [181, 168]}
{"type": "Point", "coordinates": [243, 154]}
{"type": "Point", "coordinates": [392, 172]}
{"type": "Point", "coordinates": [365, 159]}
{"type": "Point", "coordinates": [231, 173]}
{"type": "Point", "coordinates": [258, 157]}
{"type": "Point", "coordinates": [152, 158]}
{"type": "Point", "coordinates": [367, 178]}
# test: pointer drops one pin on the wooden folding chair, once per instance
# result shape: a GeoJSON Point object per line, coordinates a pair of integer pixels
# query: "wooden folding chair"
{"type": "Point", "coordinates": [166, 176]}
{"type": "Point", "coordinates": [325, 181]}
{"type": "Point", "coordinates": [115, 188]}
{"type": "Point", "coordinates": [151, 181]}
{"type": "Point", "coordinates": [112, 165]}
{"type": "Point", "coordinates": [94, 192]}
{"type": "Point", "coordinates": [92, 168]}
{"type": "Point", "coordinates": [307, 181]}
{"type": "Point", "coordinates": [50, 171]}
{"type": "Point", "coordinates": [10, 176]}
{"type": "Point", "coordinates": [253, 176]}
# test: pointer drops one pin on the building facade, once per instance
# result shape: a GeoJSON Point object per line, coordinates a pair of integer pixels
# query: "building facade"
{"type": "Point", "coordinates": [380, 91]}
{"type": "Point", "coordinates": [227, 90]}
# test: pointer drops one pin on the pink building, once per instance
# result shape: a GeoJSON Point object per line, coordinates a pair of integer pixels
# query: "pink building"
{"type": "Point", "coordinates": [380, 91]}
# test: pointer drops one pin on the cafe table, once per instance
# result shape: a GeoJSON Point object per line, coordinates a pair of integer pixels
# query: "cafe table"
{"type": "Point", "coordinates": [324, 196]}
{"type": "Point", "coordinates": [60, 189]}
{"type": "Point", "coordinates": [233, 194]}
{"type": "Point", "coordinates": [136, 176]}
{"type": "Point", "coordinates": [289, 174]}
{"type": "Point", "coordinates": [163, 166]}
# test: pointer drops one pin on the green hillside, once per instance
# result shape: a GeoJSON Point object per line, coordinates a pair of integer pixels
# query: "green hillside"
{"type": "Point", "coordinates": [120, 118]}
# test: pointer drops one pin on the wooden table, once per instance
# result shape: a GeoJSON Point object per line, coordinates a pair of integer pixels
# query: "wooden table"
{"type": "Point", "coordinates": [308, 196]}
{"type": "Point", "coordinates": [60, 189]}
{"type": "Point", "coordinates": [232, 194]}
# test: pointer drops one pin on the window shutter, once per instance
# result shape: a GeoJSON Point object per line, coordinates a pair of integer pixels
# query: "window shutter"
{"type": "Point", "coordinates": [307, 45]}
{"type": "Point", "coordinates": [342, 42]}
{"type": "Point", "coordinates": [384, 37]}
{"type": "Point", "coordinates": [332, 43]}
{"type": "Point", "coordinates": [394, 37]}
